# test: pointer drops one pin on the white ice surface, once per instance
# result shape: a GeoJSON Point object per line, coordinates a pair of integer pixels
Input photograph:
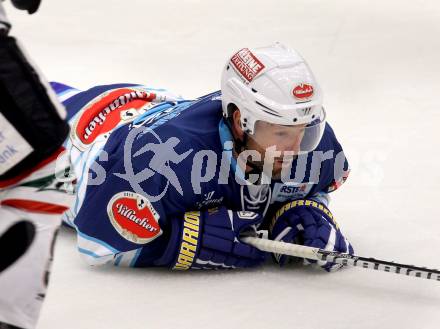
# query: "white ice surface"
{"type": "Point", "coordinates": [379, 65]}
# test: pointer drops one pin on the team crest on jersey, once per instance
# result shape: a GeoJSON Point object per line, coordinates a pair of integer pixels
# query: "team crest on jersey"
{"type": "Point", "coordinates": [107, 111]}
{"type": "Point", "coordinates": [246, 64]}
{"type": "Point", "coordinates": [255, 198]}
{"type": "Point", "coordinates": [303, 92]}
{"type": "Point", "coordinates": [133, 217]}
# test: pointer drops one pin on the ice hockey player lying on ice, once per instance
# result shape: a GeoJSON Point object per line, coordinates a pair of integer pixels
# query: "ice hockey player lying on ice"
{"type": "Point", "coordinates": [164, 181]}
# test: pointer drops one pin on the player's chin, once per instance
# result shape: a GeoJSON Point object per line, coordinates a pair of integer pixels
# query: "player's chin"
{"type": "Point", "coordinates": [276, 171]}
{"type": "Point", "coordinates": [279, 165]}
{"type": "Point", "coordinates": [282, 162]}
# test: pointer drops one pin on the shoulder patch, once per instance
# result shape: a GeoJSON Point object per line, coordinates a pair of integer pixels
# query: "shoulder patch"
{"type": "Point", "coordinates": [105, 112]}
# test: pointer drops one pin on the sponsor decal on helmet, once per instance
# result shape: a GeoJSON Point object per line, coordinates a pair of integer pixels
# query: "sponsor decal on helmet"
{"type": "Point", "coordinates": [246, 64]}
{"type": "Point", "coordinates": [303, 91]}
{"type": "Point", "coordinates": [133, 217]}
{"type": "Point", "coordinates": [106, 112]}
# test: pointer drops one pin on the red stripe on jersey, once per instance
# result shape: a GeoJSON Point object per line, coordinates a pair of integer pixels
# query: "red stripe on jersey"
{"type": "Point", "coordinates": [34, 206]}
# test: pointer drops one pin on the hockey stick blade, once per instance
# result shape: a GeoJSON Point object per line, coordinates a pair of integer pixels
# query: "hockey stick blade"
{"type": "Point", "coordinates": [291, 249]}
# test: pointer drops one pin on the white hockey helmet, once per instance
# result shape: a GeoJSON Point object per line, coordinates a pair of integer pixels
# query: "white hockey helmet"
{"type": "Point", "coordinates": [274, 84]}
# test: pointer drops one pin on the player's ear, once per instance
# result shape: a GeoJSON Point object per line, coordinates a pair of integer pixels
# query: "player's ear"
{"type": "Point", "coordinates": [236, 125]}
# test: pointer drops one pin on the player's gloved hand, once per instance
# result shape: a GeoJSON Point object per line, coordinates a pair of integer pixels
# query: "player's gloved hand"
{"type": "Point", "coordinates": [210, 239]}
{"type": "Point", "coordinates": [308, 223]}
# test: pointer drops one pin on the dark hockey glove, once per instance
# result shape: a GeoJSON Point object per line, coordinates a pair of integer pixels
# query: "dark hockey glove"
{"type": "Point", "coordinates": [308, 223]}
{"type": "Point", "coordinates": [29, 114]}
{"type": "Point", "coordinates": [30, 5]}
{"type": "Point", "coordinates": [211, 240]}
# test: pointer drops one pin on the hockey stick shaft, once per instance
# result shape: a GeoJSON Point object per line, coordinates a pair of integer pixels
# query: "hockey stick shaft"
{"type": "Point", "coordinates": [291, 249]}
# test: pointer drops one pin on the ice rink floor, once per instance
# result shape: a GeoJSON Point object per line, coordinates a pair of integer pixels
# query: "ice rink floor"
{"type": "Point", "coordinates": [379, 65]}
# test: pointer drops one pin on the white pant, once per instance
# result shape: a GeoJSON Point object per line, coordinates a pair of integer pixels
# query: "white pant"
{"type": "Point", "coordinates": [40, 199]}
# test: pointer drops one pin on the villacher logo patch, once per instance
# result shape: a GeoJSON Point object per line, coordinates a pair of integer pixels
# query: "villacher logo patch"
{"type": "Point", "coordinates": [303, 91]}
{"type": "Point", "coordinates": [133, 217]}
{"type": "Point", "coordinates": [106, 112]}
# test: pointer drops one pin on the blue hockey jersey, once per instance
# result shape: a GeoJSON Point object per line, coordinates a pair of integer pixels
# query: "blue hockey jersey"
{"type": "Point", "coordinates": [143, 157]}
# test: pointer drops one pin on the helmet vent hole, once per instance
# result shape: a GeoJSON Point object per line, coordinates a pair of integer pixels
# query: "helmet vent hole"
{"type": "Point", "coordinates": [313, 116]}
{"type": "Point", "coordinates": [295, 120]}
{"type": "Point", "coordinates": [227, 68]}
{"type": "Point", "coordinates": [254, 90]}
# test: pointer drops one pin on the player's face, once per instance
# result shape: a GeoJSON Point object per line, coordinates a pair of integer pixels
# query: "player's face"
{"type": "Point", "coordinates": [278, 142]}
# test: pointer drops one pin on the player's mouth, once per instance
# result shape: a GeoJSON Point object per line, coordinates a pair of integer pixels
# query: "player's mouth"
{"type": "Point", "coordinates": [285, 158]}
{"type": "Point", "coordinates": [285, 161]}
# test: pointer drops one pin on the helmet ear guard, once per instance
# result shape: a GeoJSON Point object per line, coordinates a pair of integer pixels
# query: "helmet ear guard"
{"type": "Point", "coordinates": [231, 108]}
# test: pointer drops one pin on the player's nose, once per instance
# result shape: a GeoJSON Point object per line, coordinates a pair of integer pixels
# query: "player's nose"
{"type": "Point", "coordinates": [291, 145]}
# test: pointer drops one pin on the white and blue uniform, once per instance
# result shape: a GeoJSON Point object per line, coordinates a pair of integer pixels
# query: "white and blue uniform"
{"type": "Point", "coordinates": [144, 157]}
